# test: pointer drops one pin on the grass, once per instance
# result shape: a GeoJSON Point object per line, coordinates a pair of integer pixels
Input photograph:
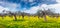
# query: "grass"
{"type": "Point", "coordinates": [29, 22]}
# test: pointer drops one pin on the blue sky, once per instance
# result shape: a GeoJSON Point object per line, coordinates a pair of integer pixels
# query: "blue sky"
{"type": "Point", "coordinates": [29, 6]}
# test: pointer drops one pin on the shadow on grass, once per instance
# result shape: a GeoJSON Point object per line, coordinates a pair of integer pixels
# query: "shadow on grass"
{"type": "Point", "coordinates": [19, 20]}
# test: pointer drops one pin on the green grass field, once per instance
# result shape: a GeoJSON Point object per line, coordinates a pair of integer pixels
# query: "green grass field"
{"type": "Point", "coordinates": [29, 22]}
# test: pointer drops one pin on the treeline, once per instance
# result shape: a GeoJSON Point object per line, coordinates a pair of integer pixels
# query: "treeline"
{"type": "Point", "coordinates": [39, 13]}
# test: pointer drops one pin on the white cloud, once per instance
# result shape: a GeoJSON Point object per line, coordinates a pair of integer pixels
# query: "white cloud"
{"type": "Point", "coordinates": [8, 6]}
{"type": "Point", "coordinates": [32, 10]}
{"type": "Point", "coordinates": [58, 1]}
{"type": "Point", "coordinates": [31, 0]}
{"type": "Point", "coordinates": [13, 6]}
{"type": "Point", "coordinates": [27, 0]}
{"type": "Point", "coordinates": [52, 6]}
{"type": "Point", "coordinates": [44, 6]}
{"type": "Point", "coordinates": [2, 8]}
{"type": "Point", "coordinates": [55, 6]}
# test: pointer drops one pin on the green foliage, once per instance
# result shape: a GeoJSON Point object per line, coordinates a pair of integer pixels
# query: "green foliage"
{"type": "Point", "coordinates": [28, 24]}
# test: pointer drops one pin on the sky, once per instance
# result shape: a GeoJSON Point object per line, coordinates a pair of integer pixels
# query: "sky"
{"type": "Point", "coordinates": [29, 6]}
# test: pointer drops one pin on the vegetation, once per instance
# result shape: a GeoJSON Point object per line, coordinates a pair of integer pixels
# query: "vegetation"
{"type": "Point", "coordinates": [32, 22]}
{"type": "Point", "coordinates": [41, 19]}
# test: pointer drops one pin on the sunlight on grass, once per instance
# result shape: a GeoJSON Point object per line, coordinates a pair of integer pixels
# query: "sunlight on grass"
{"type": "Point", "coordinates": [29, 22]}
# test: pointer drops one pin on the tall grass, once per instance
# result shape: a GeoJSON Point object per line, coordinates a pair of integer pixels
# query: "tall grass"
{"type": "Point", "coordinates": [29, 22]}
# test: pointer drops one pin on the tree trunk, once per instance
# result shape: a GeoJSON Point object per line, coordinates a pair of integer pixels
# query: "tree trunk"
{"type": "Point", "coordinates": [45, 19]}
{"type": "Point", "coordinates": [44, 15]}
{"type": "Point", "coordinates": [23, 16]}
{"type": "Point", "coordinates": [38, 17]}
{"type": "Point", "coordinates": [15, 18]}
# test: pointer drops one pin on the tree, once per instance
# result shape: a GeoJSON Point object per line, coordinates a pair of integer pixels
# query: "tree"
{"type": "Point", "coordinates": [19, 13]}
{"type": "Point", "coordinates": [13, 14]}
{"type": "Point", "coordinates": [22, 15]}
{"type": "Point", "coordinates": [44, 15]}
{"type": "Point", "coordinates": [3, 14]}
{"type": "Point", "coordinates": [39, 13]}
